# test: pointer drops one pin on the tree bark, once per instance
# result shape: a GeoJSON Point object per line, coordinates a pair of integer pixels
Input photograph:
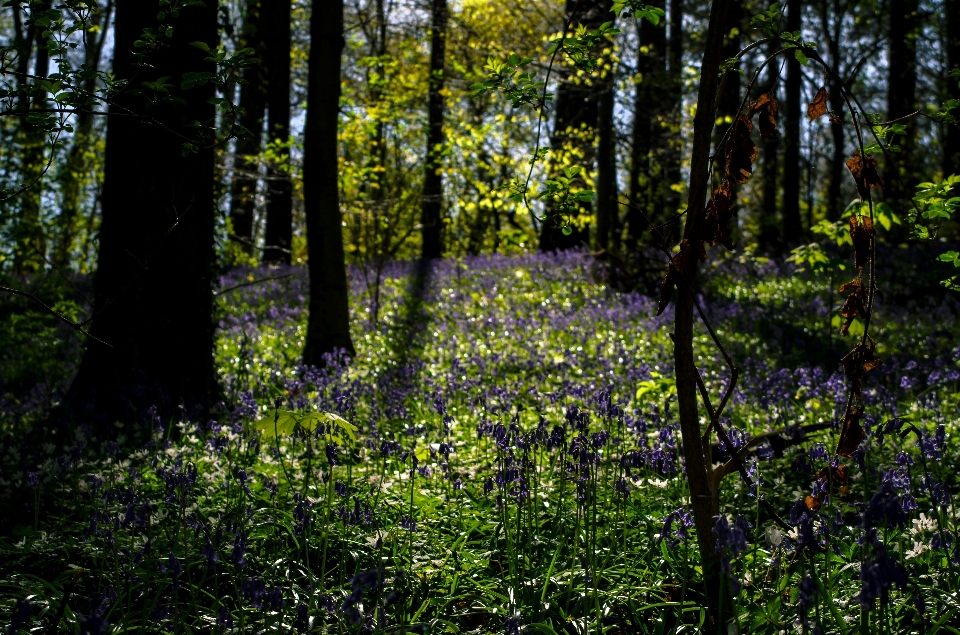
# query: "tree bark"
{"type": "Point", "coordinates": [153, 296]}
{"type": "Point", "coordinates": [792, 224]}
{"type": "Point", "coordinates": [704, 501]}
{"type": "Point", "coordinates": [649, 113]}
{"type": "Point", "coordinates": [577, 109]}
{"type": "Point", "coordinates": [328, 328]}
{"type": "Point", "coordinates": [673, 124]}
{"type": "Point", "coordinates": [276, 18]}
{"type": "Point", "coordinates": [835, 202]}
{"type": "Point", "coordinates": [253, 101]}
{"type": "Point", "coordinates": [607, 205]}
{"type": "Point", "coordinates": [432, 206]}
{"type": "Point", "coordinates": [902, 99]}
{"type": "Point", "coordinates": [79, 164]}
{"type": "Point", "coordinates": [951, 163]}
{"type": "Point", "coordinates": [768, 239]}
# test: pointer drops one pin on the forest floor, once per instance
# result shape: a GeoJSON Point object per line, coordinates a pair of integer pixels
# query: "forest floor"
{"type": "Point", "coordinates": [501, 455]}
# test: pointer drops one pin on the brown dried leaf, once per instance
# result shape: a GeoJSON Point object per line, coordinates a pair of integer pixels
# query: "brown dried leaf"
{"type": "Point", "coordinates": [862, 233]}
{"type": "Point", "coordinates": [852, 433]}
{"type": "Point", "coordinates": [741, 151]}
{"type": "Point", "coordinates": [716, 221]}
{"type": "Point", "coordinates": [766, 106]}
{"type": "Point", "coordinates": [855, 304]}
{"type": "Point", "coordinates": [677, 264]}
{"type": "Point", "coordinates": [818, 107]}
{"type": "Point", "coordinates": [813, 503]}
{"type": "Point", "coordinates": [864, 171]}
{"type": "Point", "coordinates": [859, 361]}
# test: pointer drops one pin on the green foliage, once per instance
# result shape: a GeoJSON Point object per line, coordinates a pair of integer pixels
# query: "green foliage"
{"type": "Point", "coordinates": [286, 423]}
{"type": "Point", "coordinates": [935, 206]}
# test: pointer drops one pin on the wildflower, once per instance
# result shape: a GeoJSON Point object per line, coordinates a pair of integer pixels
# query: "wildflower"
{"type": "Point", "coordinates": [33, 479]}
{"type": "Point", "coordinates": [209, 553]}
{"type": "Point", "coordinates": [225, 618]}
{"type": "Point", "coordinates": [773, 536]}
{"type": "Point", "coordinates": [237, 555]}
{"type": "Point", "coordinates": [878, 575]}
{"type": "Point", "coordinates": [302, 619]}
{"type": "Point", "coordinates": [253, 590]}
{"type": "Point", "coordinates": [805, 594]}
{"type": "Point", "coordinates": [92, 625]}
{"type": "Point", "coordinates": [21, 616]}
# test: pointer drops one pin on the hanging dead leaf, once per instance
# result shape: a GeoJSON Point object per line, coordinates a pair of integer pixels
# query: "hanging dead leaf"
{"type": "Point", "coordinates": [812, 503]}
{"type": "Point", "coordinates": [766, 106]}
{"type": "Point", "coordinates": [855, 304]}
{"type": "Point", "coordinates": [818, 107]}
{"type": "Point", "coordinates": [716, 221]}
{"type": "Point", "coordinates": [852, 433]}
{"type": "Point", "coordinates": [864, 171]}
{"type": "Point", "coordinates": [859, 361]}
{"type": "Point", "coordinates": [741, 151]}
{"type": "Point", "coordinates": [861, 233]}
{"type": "Point", "coordinates": [677, 264]}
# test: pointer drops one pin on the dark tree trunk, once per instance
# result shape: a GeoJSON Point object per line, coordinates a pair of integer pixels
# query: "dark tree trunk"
{"type": "Point", "coordinates": [607, 205]}
{"type": "Point", "coordinates": [328, 329]}
{"type": "Point", "coordinates": [951, 163]}
{"type": "Point", "coordinates": [704, 500]}
{"type": "Point", "coordinates": [78, 163]}
{"type": "Point", "coordinates": [768, 239]}
{"type": "Point", "coordinates": [902, 99]}
{"type": "Point", "coordinates": [673, 121]}
{"type": "Point", "coordinates": [153, 287]}
{"type": "Point", "coordinates": [253, 101]}
{"type": "Point", "coordinates": [432, 206]}
{"type": "Point", "coordinates": [835, 202]}
{"type": "Point", "coordinates": [577, 109]}
{"type": "Point", "coordinates": [649, 112]}
{"type": "Point", "coordinates": [728, 102]}
{"type": "Point", "coordinates": [792, 224]}
{"type": "Point", "coordinates": [30, 252]}
{"type": "Point", "coordinates": [276, 18]}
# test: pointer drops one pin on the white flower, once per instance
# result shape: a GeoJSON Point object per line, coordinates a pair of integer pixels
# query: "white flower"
{"type": "Point", "coordinates": [918, 548]}
{"type": "Point", "coordinates": [774, 536]}
{"type": "Point", "coordinates": [921, 525]}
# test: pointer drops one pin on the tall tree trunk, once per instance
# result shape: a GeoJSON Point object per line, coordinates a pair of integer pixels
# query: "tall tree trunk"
{"type": "Point", "coordinates": [729, 99]}
{"type": "Point", "coordinates": [951, 163]}
{"type": "Point", "coordinates": [79, 162]}
{"type": "Point", "coordinates": [768, 238]}
{"type": "Point", "coordinates": [649, 114]}
{"type": "Point", "coordinates": [607, 204]}
{"type": "Point", "coordinates": [253, 101]}
{"type": "Point", "coordinates": [902, 98]}
{"type": "Point", "coordinates": [328, 328]}
{"type": "Point", "coordinates": [673, 124]}
{"type": "Point", "coordinates": [432, 206]}
{"type": "Point", "coordinates": [704, 501]}
{"type": "Point", "coordinates": [577, 109]}
{"type": "Point", "coordinates": [31, 248]}
{"type": "Point", "coordinates": [792, 224]}
{"type": "Point", "coordinates": [153, 296]}
{"type": "Point", "coordinates": [835, 203]}
{"type": "Point", "coordinates": [276, 19]}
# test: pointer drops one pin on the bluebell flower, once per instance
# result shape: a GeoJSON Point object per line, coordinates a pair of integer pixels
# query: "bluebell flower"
{"type": "Point", "coordinates": [301, 621]}
{"type": "Point", "coordinates": [33, 479]}
{"type": "Point", "coordinates": [92, 625]}
{"type": "Point", "coordinates": [806, 593]}
{"type": "Point", "coordinates": [225, 618]}
{"type": "Point", "coordinates": [878, 575]}
{"type": "Point", "coordinates": [21, 615]}
{"type": "Point", "coordinates": [253, 590]}
{"type": "Point", "coordinates": [239, 552]}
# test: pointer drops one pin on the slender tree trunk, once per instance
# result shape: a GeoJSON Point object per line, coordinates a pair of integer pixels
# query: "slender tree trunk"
{"type": "Point", "coordinates": [328, 329]}
{"type": "Point", "coordinates": [835, 203]}
{"type": "Point", "coordinates": [674, 120]}
{"type": "Point", "coordinates": [649, 115]}
{"type": "Point", "coordinates": [153, 296]}
{"type": "Point", "coordinates": [792, 224]}
{"type": "Point", "coordinates": [769, 236]}
{"type": "Point", "coordinates": [432, 206]}
{"type": "Point", "coordinates": [79, 160]}
{"type": "Point", "coordinates": [577, 110]}
{"type": "Point", "coordinates": [704, 501]}
{"type": "Point", "coordinates": [951, 144]}
{"type": "Point", "coordinates": [902, 98]}
{"type": "Point", "coordinates": [607, 205]}
{"type": "Point", "coordinates": [276, 18]}
{"type": "Point", "coordinates": [30, 252]}
{"type": "Point", "coordinates": [253, 101]}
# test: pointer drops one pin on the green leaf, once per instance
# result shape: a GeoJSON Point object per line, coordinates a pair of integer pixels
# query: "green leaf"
{"type": "Point", "coordinates": [800, 57]}
{"type": "Point", "coordinates": [282, 424]}
{"type": "Point", "coordinates": [203, 46]}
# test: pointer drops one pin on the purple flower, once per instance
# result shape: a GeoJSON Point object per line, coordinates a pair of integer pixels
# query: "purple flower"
{"type": "Point", "coordinates": [33, 479]}
{"type": "Point", "coordinates": [877, 576]}
{"type": "Point", "coordinates": [225, 618]}
{"type": "Point", "coordinates": [806, 593]}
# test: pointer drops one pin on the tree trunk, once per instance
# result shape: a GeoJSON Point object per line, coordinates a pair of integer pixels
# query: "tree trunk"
{"type": "Point", "coordinates": [253, 101]}
{"type": "Point", "coordinates": [673, 124]}
{"type": "Point", "coordinates": [951, 163]}
{"type": "Point", "coordinates": [835, 202]}
{"type": "Point", "coordinates": [607, 205]}
{"type": "Point", "coordinates": [792, 225]}
{"type": "Point", "coordinates": [276, 19]}
{"type": "Point", "coordinates": [328, 328]}
{"type": "Point", "coordinates": [649, 114]}
{"type": "Point", "coordinates": [432, 206]}
{"type": "Point", "coordinates": [153, 298]}
{"type": "Point", "coordinates": [728, 101]}
{"type": "Point", "coordinates": [79, 163]}
{"type": "Point", "coordinates": [577, 109]}
{"type": "Point", "coordinates": [704, 501]}
{"type": "Point", "coordinates": [31, 248]}
{"type": "Point", "coordinates": [768, 238]}
{"type": "Point", "coordinates": [902, 99]}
